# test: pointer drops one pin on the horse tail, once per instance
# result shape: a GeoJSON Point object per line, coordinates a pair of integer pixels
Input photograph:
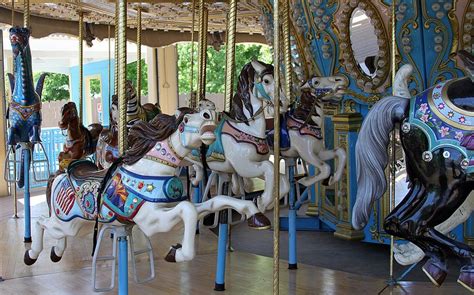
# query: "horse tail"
{"type": "Point", "coordinates": [371, 155]}
{"type": "Point", "coordinates": [102, 187]}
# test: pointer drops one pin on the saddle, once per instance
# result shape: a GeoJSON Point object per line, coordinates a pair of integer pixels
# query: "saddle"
{"type": "Point", "coordinates": [461, 94]}
{"type": "Point", "coordinates": [81, 170]}
{"type": "Point", "coordinates": [284, 133]}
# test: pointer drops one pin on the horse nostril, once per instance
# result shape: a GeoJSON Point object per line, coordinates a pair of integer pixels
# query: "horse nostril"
{"type": "Point", "coordinates": [206, 116]}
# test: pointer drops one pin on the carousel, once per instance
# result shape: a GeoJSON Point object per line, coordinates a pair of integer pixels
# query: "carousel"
{"type": "Point", "coordinates": [340, 165]}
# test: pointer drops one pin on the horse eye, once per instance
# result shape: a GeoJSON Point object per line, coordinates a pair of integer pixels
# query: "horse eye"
{"type": "Point", "coordinates": [186, 120]}
{"type": "Point", "coordinates": [316, 82]}
{"type": "Point", "coordinates": [266, 81]}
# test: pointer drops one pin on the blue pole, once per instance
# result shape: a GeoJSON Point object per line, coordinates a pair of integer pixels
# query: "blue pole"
{"type": "Point", "coordinates": [303, 198]}
{"type": "Point", "coordinates": [26, 174]}
{"type": "Point", "coordinates": [196, 200]}
{"type": "Point", "coordinates": [123, 266]}
{"type": "Point", "coordinates": [292, 221]}
{"type": "Point", "coordinates": [221, 252]}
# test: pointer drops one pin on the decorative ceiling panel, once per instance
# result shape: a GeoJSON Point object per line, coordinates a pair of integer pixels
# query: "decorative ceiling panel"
{"type": "Point", "coordinates": [155, 16]}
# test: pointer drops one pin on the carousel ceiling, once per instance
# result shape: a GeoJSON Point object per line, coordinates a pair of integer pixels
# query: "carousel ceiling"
{"type": "Point", "coordinates": [156, 14]}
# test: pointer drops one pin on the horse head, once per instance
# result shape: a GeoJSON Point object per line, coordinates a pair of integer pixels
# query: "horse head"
{"type": "Point", "coordinates": [197, 128]}
{"type": "Point", "coordinates": [19, 39]}
{"type": "Point", "coordinates": [329, 89]}
{"type": "Point", "coordinates": [113, 112]}
{"type": "Point", "coordinates": [68, 114]}
{"type": "Point", "coordinates": [129, 89]}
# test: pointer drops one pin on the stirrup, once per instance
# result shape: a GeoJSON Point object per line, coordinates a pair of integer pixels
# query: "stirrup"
{"type": "Point", "coordinates": [10, 171]}
{"type": "Point", "coordinates": [134, 253]}
{"type": "Point", "coordinates": [112, 258]}
{"type": "Point", "coordinates": [38, 166]}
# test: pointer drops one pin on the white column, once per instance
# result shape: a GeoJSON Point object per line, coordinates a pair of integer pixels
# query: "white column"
{"type": "Point", "coordinates": [151, 60]}
{"type": "Point", "coordinates": [168, 78]}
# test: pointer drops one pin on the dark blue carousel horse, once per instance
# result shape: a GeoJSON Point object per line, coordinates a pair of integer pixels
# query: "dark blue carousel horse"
{"type": "Point", "coordinates": [437, 135]}
{"type": "Point", "coordinates": [24, 109]}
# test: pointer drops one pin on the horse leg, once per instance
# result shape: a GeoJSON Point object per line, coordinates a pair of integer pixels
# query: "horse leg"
{"type": "Point", "coordinates": [246, 208]}
{"type": "Point", "coordinates": [153, 219]}
{"type": "Point", "coordinates": [31, 255]}
{"type": "Point", "coordinates": [324, 170]}
{"type": "Point", "coordinates": [338, 153]}
{"type": "Point", "coordinates": [404, 222]}
{"type": "Point", "coordinates": [251, 169]}
{"type": "Point", "coordinates": [35, 134]}
{"type": "Point", "coordinates": [58, 250]}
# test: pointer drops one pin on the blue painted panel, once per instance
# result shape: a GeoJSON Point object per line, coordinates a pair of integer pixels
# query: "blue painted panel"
{"type": "Point", "coordinates": [100, 68]}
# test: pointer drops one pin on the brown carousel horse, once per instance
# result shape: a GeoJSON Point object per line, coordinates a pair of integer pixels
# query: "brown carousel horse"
{"type": "Point", "coordinates": [80, 141]}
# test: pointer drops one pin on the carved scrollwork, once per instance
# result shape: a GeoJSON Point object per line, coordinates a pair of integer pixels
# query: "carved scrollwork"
{"type": "Point", "coordinates": [368, 84]}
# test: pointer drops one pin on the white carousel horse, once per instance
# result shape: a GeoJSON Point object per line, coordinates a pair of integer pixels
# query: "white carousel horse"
{"type": "Point", "coordinates": [241, 147]}
{"type": "Point", "coordinates": [304, 129]}
{"type": "Point", "coordinates": [141, 188]}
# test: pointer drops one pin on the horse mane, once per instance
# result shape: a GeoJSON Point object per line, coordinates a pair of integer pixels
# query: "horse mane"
{"type": "Point", "coordinates": [304, 108]}
{"type": "Point", "coordinates": [242, 96]}
{"type": "Point", "coordinates": [144, 135]}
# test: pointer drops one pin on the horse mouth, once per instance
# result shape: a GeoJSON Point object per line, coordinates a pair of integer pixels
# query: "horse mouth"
{"type": "Point", "coordinates": [207, 134]}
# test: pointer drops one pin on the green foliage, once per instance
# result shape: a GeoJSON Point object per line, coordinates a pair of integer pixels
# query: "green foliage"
{"type": "Point", "coordinates": [95, 86]}
{"type": "Point", "coordinates": [132, 75]}
{"type": "Point", "coordinates": [215, 73]}
{"type": "Point", "coordinates": [56, 86]}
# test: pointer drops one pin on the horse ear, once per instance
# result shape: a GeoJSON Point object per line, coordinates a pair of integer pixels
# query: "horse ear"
{"type": "Point", "coordinates": [257, 66]}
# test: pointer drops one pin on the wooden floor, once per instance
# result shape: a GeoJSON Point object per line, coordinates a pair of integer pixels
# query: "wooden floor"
{"type": "Point", "coordinates": [246, 273]}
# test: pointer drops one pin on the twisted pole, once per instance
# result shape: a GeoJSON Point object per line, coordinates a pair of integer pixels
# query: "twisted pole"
{"type": "Point", "coordinates": [26, 13]}
{"type": "Point", "coordinates": [116, 52]}
{"type": "Point", "coordinates": [202, 57]}
{"type": "Point", "coordinates": [230, 54]}
{"type": "Point", "coordinates": [122, 68]}
{"type": "Point", "coordinates": [81, 64]}
{"type": "Point", "coordinates": [139, 53]}
{"type": "Point", "coordinates": [192, 98]}
{"type": "Point", "coordinates": [276, 164]}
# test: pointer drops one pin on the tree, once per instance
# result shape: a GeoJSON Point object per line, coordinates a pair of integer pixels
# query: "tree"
{"type": "Point", "coordinates": [215, 72]}
{"type": "Point", "coordinates": [132, 75]}
{"type": "Point", "coordinates": [56, 86]}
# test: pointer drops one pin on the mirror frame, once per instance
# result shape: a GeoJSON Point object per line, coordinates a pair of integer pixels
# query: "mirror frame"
{"type": "Point", "coordinates": [364, 82]}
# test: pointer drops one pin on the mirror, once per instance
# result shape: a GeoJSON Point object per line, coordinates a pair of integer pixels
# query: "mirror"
{"type": "Point", "coordinates": [364, 42]}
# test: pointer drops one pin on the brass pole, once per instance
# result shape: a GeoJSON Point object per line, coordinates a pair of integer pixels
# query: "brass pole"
{"type": "Point", "coordinates": [26, 13]}
{"type": "Point", "coordinates": [393, 171]}
{"type": "Point", "coordinates": [287, 51]}
{"type": "Point", "coordinates": [202, 48]}
{"type": "Point", "coordinates": [192, 100]}
{"type": "Point", "coordinates": [139, 53]}
{"type": "Point", "coordinates": [122, 68]}
{"type": "Point", "coordinates": [230, 53]}
{"type": "Point", "coordinates": [13, 13]}
{"type": "Point", "coordinates": [109, 68]}
{"type": "Point", "coordinates": [81, 64]}
{"type": "Point", "coordinates": [116, 52]}
{"type": "Point", "coordinates": [276, 164]}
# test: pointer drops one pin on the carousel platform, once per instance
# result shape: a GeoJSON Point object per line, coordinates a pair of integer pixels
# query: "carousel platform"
{"type": "Point", "coordinates": [246, 273]}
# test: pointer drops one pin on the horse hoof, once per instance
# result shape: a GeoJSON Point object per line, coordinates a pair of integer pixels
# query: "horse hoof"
{"type": "Point", "coordinates": [327, 181]}
{"type": "Point", "coordinates": [171, 256]}
{"type": "Point", "coordinates": [466, 277]}
{"type": "Point", "coordinates": [54, 257]}
{"type": "Point", "coordinates": [259, 221]}
{"type": "Point", "coordinates": [435, 271]}
{"type": "Point", "coordinates": [27, 259]}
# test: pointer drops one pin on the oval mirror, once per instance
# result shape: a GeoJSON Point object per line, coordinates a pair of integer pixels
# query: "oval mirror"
{"type": "Point", "coordinates": [364, 42]}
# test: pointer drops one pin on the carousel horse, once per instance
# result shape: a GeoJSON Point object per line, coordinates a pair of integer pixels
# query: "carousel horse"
{"type": "Point", "coordinates": [409, 253]}
{"type": "Point", "coordinates": [140, 188]}
{"type": "Point", "coordinates": [438, 140]}
{"type": "Point", "coordinates": [107, 146]}
{"type": "Point", "coordinates": [241, 147]}
{"type": "Point", "coordinates": [24, 109]}
{"type": "Point", "coordinates": [80, 141]}
{"type": "Point", "coordinates": [301, 134]}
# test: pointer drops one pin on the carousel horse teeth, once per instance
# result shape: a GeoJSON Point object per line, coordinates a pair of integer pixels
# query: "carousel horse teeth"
{"type": "Point", "coordinates": [466, 277]}
{"type": "Point", "coordinates": [27, 259]}
{"type": "Point", "coordinates": [259, 221]}
{"type": "Point", "coordinates": [435, 271]}
{"type": "Point", "coordinates": [53, 256]}
{"type": "Point", "coordinates": [171, 256]}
